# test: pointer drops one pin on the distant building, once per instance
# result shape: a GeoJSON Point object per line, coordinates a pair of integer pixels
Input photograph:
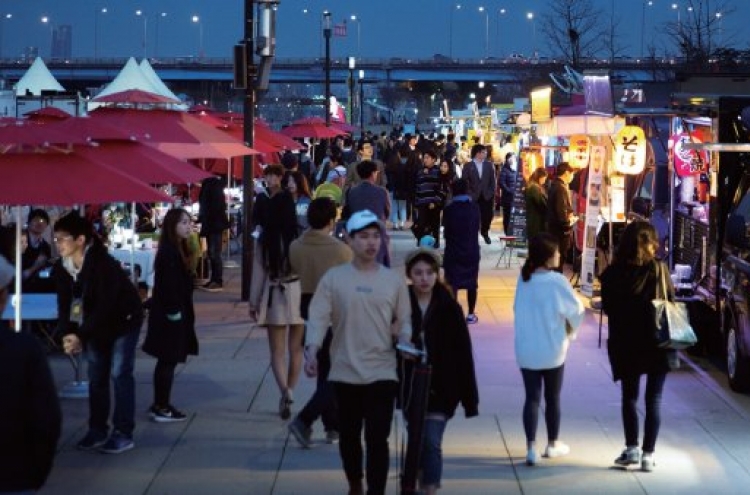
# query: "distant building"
{"type": "Point", "coordinates": [62, 42]}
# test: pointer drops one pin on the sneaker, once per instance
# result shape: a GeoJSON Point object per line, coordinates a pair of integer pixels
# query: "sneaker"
{"type": "Point", "coordinates": [285, 407]}
{"type": "Point", "coordinates": [212, 287]}
{"type": "Point", "coordinates": [302, 433]}
{"type": "Point", "coordinates": [117, 444]}
{"type": "Point", "coordinates": [472, 319]}
{"type": "Point", "coordinates": [629, 456]}
{"type": "Point", "coordinates": [92, 441]}
{"type": "Point", "coordinates": [559, 449]}
{"type": "Point", "coordinates": [166, 414]}
{"type": "Point", "coordinates": [332, 437]}
{"type": "Point", "coordinates": [531, 457]}
{"type": "Point", "coordinates": [647, 462]}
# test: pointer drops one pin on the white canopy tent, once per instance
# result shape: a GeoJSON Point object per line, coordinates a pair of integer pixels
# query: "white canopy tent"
{"type": "Point", "coordinates": [37, 79]}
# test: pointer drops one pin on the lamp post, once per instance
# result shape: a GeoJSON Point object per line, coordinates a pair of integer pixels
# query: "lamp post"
{"type": "Point", "coordinates": [486, 13]}
{"type": "Point", "coordinates": [140, 13]}
{"type": "Point", "coordinates": [720, 18]}
{"type": "Point", "coordinates": [362, 104]}
{"type": "Point", "coordinates": [102, 10]}
{"type": "Point", "coordinates": [356, 19]}
{"type": "Point", "coordinates": [156, 33]}
{"type": "Point", "coordinates": [46, 21]}
{"type": "Point", "coordinates": [500, 14]}
{"type": "Point", "coordinates": [530, 16]}
{"type": "Point", "coordinates": [197, 20]}
{"type": "Point", "coordinates": [454, 7]}
{"type": "Point", "coordinates": [327, 36]}
{"type": "Point", "coordinates": [350, 110]}
{"type": "Point", "coordinates": [3, 18]}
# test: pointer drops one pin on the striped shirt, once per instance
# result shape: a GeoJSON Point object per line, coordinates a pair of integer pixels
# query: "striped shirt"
{"type": "Point", "coordinates": [428, 187]}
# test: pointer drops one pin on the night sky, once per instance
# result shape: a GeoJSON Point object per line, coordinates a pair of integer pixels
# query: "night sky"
{"type": "Point", "coordinates": [389, 28]}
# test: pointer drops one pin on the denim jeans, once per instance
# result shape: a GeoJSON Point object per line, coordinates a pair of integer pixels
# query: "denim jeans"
{"type": "Point", "coordinates": [654, 387]}
{"type": "Point", "coordinates": [369, 406]}
{"type": "Point", "coordinates": [432, 449]}
{"type": "Point", "coordinates": [213, 246]}
{"type": "Point", "coordinates": [552, 380]}
{"type": "Point", "coordinates": [113, 360]}
{"type": "Point", "coordinates": [398, 211]}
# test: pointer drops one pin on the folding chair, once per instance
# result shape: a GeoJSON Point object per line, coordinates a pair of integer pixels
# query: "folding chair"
{"type": "Point", "coordinates": [507, 251]}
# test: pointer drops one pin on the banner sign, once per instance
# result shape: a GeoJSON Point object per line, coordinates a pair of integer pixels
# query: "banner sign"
{"type": "Point", "coordinates": [594, 191]}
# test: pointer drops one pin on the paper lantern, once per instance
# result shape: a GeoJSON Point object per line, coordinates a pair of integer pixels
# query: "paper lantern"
{"type": "Point", "coordinates": [578, 151]}
{"type": "Point", "coordinates": [687, 162]}
{"type": "Point", "coordinates": [630, 150]}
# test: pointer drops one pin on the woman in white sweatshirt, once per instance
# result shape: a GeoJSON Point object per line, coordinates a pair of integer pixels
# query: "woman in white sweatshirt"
{"type": "Point", "coordinates": [547, 315]}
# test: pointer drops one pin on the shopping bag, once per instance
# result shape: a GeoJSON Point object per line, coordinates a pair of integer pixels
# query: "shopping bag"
{"type": "Point", "coordinates": [672, 323]}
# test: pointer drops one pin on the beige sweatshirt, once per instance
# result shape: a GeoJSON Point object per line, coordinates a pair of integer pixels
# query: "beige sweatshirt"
{"type": "Point", "coordinates": [367, 311]}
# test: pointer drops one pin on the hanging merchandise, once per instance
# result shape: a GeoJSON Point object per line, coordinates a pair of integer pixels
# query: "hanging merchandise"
{"type": "Point", "coordinates": [630, 150]}
{"type": "Point", "coordinates": [578, 151]}
{"type": "Point", "coordinates": [687, 162]}
{"type": "Point", "coordinates": [593, 209]}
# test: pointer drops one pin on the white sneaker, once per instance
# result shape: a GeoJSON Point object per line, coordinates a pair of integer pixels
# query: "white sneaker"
{"type": "Point", "coordinates": [559, 449]}
{"type": "Point", "coordinates": [647, 462]}
{"type": "Point", "coordinates": [531, 457]}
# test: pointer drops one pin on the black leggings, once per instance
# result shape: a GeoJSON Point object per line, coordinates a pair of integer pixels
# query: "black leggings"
{"type": "Point", "coordinates": [532, 380]}
{"type": "Point", "coordinates": [163, 379]}
{"type": "Point", "coordinates": [652, 422]}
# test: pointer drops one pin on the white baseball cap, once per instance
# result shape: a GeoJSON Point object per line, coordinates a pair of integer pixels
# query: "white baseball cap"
{"type": "Point", "coordinates": [360, 220]}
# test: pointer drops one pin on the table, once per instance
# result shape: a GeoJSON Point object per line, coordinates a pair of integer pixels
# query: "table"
{"type": "Point", "coordinates": [143, 257]}
{"type": "Point", "coordinates": [507, 251]}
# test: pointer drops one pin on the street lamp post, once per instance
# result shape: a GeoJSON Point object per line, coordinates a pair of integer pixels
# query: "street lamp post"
{"type": "Point", "coordinates": [720, 17]}
{"type": "Point", "coordinates": [362, 104]}
{"type": "Point", "coordinates": [156, 33]}
{"type": "Point", "coordinates": [46, 21]}
{"type": "Point", "coordinates": [140, 13]}
{"type": "Point", "coordinates": [451, 12]}
{"type": "Point", "coordinates": [327, 36]}
{"type": "Point", "coordinates": [530, 16]}
{"type": "Point", "coordinates": [3, 18]}
{"type": "Point", "coordinates": [197, 20]}
{"type": "Point", "coordinates": [102, 10]}
{"type": "Point", "coordinates": [356, 19]}
{"type": "Point", "coordinates": [350, 110]}
{"type": "Point", "coordinates": [486, 13]}
{"type": "Point", "coordinates": [500, 14]}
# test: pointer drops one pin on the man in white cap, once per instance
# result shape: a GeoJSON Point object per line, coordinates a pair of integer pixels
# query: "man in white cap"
{"type": "Point", "coordinates": [367, 306]}
{"type": "Point", "coordinates": [30, 417]}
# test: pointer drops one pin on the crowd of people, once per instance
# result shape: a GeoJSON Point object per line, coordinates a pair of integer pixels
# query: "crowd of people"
{"type": "Point", "coordinates": [315, 294]}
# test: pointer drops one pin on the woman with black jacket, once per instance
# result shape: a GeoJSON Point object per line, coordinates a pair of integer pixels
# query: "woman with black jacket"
{"type": "Point", "coordinates": [439, 328]}
{"type": "Point", "coordinates": [629, 285]}
{"type": "Point", "coordinates": [171, 319]}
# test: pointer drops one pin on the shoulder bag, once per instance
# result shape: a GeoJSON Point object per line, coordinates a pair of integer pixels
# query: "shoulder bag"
{"type": "Point", "coordinates": [672, 324]}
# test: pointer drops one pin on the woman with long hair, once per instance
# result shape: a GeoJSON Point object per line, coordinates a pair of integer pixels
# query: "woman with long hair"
{"type": "Point", "coordinates": [296, 184]}
{"type": "Point", "coordinates": [629, 285]}
{"type": "Point", "coordinates": [171, 320]}
{"type": "Point", "coordinates": [274, 289]}
{"type": "Point", "coordinates": [438, 328]}
{"type": "Point", "coordinates": [536, 203]}
{"type": "Point", "coordinates": [547, 314]}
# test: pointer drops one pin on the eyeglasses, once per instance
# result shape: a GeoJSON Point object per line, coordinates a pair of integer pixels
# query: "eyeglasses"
{"type": "Point", "coordinates": [59, 239]}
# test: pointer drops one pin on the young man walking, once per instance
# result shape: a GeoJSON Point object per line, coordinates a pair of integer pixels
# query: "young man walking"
{"type": "Point", "coordinates": [363, 302]}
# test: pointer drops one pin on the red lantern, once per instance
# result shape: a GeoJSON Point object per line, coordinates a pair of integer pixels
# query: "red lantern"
{"type": "Point", "coordinates": [687, 162]}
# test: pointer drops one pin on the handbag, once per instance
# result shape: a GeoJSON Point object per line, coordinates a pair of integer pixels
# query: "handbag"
{"type": "Point", "coordinates": [672, 324]}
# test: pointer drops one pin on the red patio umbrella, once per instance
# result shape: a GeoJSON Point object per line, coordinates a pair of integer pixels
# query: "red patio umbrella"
{"type": "Point", "coordinates": [18, 132]}
{"type": "Point", "coordinates": [47, 113]}
{"type": "Point", "coordinates": [144, 162]}
{"type": "Point", "coordinates": [313, 130]}
{"type": "Point", "coordinates": [89, 129]}
{"type": "Point", "coordinates": [134, 96]}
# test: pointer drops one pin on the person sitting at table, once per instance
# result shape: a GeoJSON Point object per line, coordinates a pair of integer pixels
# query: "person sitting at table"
{"type": "Point", "coordinates": [30, 416]}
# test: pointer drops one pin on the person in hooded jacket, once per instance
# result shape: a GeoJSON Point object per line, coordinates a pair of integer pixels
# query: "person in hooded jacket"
{"type": "Point", "coordinates": [439, 328]}
{"type": "Point", "coordinates": [629, 285]}
{"type": "Point", "coordinates": [171, 319]}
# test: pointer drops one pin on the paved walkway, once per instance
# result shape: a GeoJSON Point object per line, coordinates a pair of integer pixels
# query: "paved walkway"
{"type": "Point", "coordinates": [235, 443]}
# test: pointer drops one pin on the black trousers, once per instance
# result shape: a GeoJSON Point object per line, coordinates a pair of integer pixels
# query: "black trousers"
{"type": "Point", "coordinates": [507, 208]}
{"type": "Point", "coordinates": [486, 212]}
{"type": "Point", "coordinates": [429, 218]}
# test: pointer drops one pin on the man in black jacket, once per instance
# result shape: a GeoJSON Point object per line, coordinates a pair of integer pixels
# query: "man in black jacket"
{"type": "Point", "coordinates": [99, 311]}
{"type": "Point", "coordinates": [507, 183]}
{"type": "Point", "coordinates": [560, 218]}
{"type": "Point", "coordinates": [212, 216]}
{"type": "Point", "coordinates": [30, 417]}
